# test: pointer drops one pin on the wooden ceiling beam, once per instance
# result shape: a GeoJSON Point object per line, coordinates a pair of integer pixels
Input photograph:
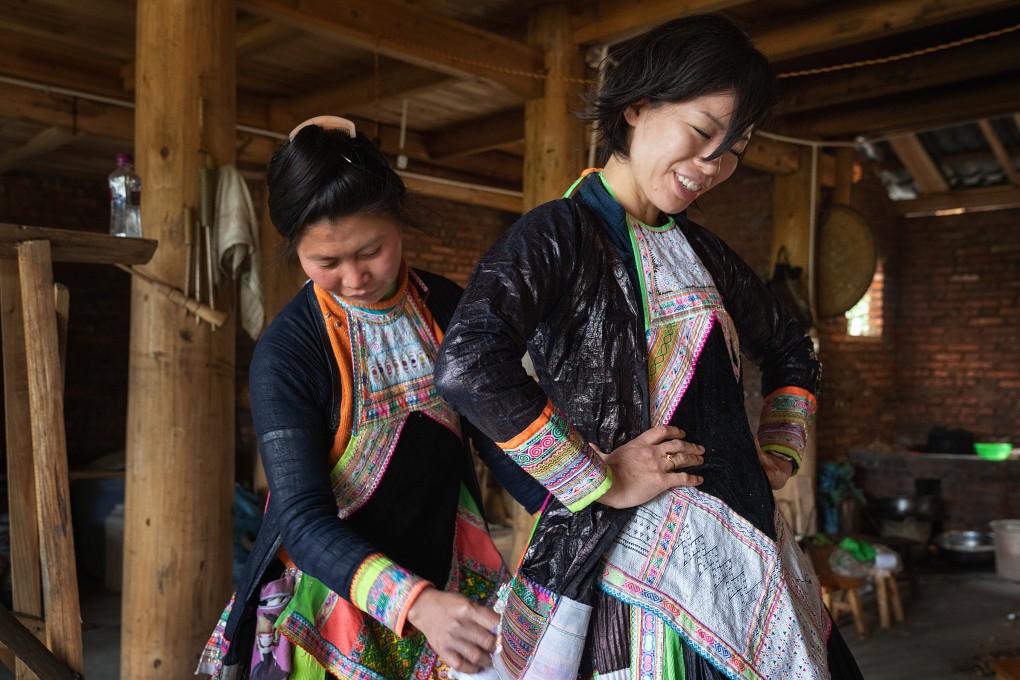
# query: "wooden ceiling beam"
{"type": "Point", "coordinates": [399, 31]}
{"type": "Point", "coordinates": [918, 162]}
{"type": "Point", "coordinates": [53, 64]}
{"type": "Point", "coordinates": [613, 21]}
{"type": "Point", "coordinates": [986, 58]}
{"type": "Point", "coordinates": [77, 115]}
{"type": "Point", "coordinates": [254, 34]}
{"type": "Point", "coordinates": [50, 139]}
{"type": "Point", "coordinates": [477, 135]}
{"type": "Point", "coordinates": [923, 110]}
{"type": "Point", "coordinates": [960, 201]}
{"type": "Point", "coordinates": [859, 22]}
{"type": "Point", "coordinates": [399, 79]}
{"type": "Point", "coordinates": [1001, 155]}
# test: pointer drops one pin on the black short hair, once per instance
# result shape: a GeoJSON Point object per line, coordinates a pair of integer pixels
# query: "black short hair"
{"type": "Point", "coordinates": [679, 60]}
{"type": "Point", "coordinates": [324, 173]}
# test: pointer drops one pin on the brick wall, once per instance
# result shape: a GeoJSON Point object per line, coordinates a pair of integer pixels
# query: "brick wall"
{"type": "Point", "coordinates": [958, 325]}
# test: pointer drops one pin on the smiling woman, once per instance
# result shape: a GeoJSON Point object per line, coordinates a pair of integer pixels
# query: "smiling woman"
{"type": "Point", "coordinates": [666, 557]}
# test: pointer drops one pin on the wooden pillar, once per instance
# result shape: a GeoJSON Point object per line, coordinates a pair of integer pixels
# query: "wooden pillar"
{"type": "Point", "coordinates": [180, 421]}
{"type": "Point", "coordinates": [554, 143]}
{"type": "Point", "coordinates": [791, 229]}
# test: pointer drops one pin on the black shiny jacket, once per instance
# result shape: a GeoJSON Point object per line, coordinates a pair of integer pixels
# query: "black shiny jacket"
{"type": "Point", "coordinates": [555, 286]}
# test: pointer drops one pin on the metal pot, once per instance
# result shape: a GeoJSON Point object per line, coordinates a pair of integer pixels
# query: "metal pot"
{"type": "Point", "coordinates": [966, 548]}
{"type": "Point", "coordinates": [901, 507]}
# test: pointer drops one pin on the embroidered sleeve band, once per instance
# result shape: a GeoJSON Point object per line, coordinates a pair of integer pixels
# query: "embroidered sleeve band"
{"type": "Point", "coordinates": [785, 417]}
{"type": "Point", "coordinates": [385, 591]}
{"type": "Point", "coordinates": [555, 454]}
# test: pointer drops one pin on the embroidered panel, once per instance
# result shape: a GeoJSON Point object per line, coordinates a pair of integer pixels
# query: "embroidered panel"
{"type": "Point", "coordinates": [682, 305]}
{"type": "Point", "coordinates": [750, 606]}
{"type": "Point", "coordinates": [393, 353]}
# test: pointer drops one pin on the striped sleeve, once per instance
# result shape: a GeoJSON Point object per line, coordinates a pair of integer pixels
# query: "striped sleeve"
{"type": "Point", "coordinates": [556, 454]}
{"type": "Point", "coordinates": [785, 417]}
{"type": "Point", "coordinates": [385, 591]}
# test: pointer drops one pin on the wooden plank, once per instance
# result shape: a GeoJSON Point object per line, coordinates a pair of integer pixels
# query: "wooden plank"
{"type": "Point", "coordinates": [960, 201]}
{"type": "Point", "coordinates": [61, 609]}
{"type": "Point", "coordinates": [1001, 155]}
{"type": "Point", "coordinates": [612, 21]}
{"type": "Point", "coordinates": [858, 22]}
{"type": "Point", "coordinates": [919, 164]}
{"type": "Point", "coordinates": [26, 583]}
{"type": "Point", "coordinates": [77, 246]}
{"type": "Point", "coordinates": [29, 650]}
{"type": "Point", "coordinates": [62, 305]}
{"type": "Point", "coordinates": [940, 69]}
{"type": "Point", "coordinates": [395, 30]}
{"type": "Point", "coordinates": [922, 110]}
{"type": "Point", "coordinates": [396, 80]}
{"type": "Point", "coordinates": [477, 135]}
{"type": "Point", "coordinates": [463, 192]}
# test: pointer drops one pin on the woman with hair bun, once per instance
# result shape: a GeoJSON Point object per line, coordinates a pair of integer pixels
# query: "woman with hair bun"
{"type": "Point", "coordinates": [373, 559]}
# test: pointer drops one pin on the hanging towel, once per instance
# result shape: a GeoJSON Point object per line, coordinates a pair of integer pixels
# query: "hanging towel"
{"type": "Point", "coordinates": [237, 246]}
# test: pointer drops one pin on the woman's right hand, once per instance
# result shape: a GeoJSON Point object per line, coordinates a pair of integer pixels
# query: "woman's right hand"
{"type": "Point", "coordinates": [460, 630]}
{"type": "Point", "coordinates": [646, 466]}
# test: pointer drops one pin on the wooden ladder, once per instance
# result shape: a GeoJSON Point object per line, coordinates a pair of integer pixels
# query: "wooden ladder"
{"type": "Point", "coordinates": [43, 633]}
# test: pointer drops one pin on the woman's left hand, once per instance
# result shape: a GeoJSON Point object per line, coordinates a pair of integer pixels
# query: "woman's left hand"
{"type": "Point", "coordinates": [778, 469]}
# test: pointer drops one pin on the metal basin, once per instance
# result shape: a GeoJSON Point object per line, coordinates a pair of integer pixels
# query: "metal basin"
{"type": "Point", "coordinates": [966, 547]}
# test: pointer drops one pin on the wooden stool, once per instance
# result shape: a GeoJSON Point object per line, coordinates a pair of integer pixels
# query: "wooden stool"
{"type": "Point", "coordinates": [887, 593]}
{"type": "Point", "coordinates": [839, 593]}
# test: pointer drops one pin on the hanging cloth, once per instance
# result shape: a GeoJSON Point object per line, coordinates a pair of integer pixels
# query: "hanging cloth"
{"type": "Point", "coordinates": [237, 247]}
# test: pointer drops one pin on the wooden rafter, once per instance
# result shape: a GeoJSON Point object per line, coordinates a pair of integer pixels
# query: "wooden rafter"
{"type": "Point", "coordinates": [923, 110]}
{"type": "Point", "coordinates": [968, 200]}
{"type": "Point", "coordinates": [919, 164]}
{"type": "Point", "coordinates": [395, 30]}
{"type": "Point", "coordinates": [861, 21]}
{"type": "Point", "coordinates": [1001, 155]}
{"type": "Point", "coordinates": [612, 21]}
{"type": "Point", "coordinates": [398, 79]}
{"type": "Point", "coordinates": [50, 139]}
{"type": "Point", "coordinates": [480, 135]}
{"type": "Point", "coordinates": [940, 69]}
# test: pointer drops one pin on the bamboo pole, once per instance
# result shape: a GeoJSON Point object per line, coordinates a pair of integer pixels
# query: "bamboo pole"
{"type": "Point", "coordinates": [180, 421]}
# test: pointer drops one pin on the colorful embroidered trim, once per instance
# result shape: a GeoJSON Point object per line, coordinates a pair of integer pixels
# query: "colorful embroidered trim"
{"type": "Point", "coordinates": [555, 454]}
{"type": "Point", "coordinates": [385, 591]}
{"type": "Point", "coordinates": [786, 415]}
{"type": "Point", "coordinates": [525, 609]}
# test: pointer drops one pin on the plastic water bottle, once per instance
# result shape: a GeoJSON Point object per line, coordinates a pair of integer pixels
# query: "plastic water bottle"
{"type": "Point", "coordinates": [125, 198]}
